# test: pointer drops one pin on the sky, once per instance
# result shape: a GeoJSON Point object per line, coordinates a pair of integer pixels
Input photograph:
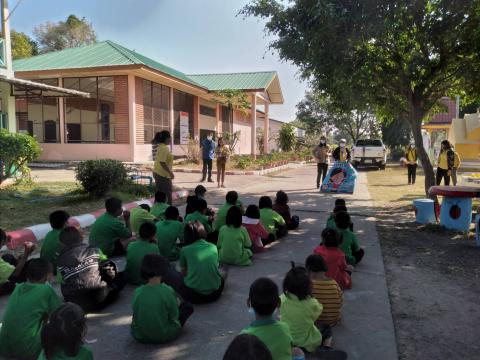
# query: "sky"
{"type": "Point", "coordinates": [192, 36]}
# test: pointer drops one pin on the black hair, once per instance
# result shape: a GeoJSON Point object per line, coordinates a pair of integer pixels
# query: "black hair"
{"type": "Point", "coordinates": [297, 282]}
{"type": "Point", "coordinates": [252, 212]}
{"type": "Point", "coordinates": [234, 217]}
{"type": "Point", "coordinates": [200, 190]}
{"type": "Point", "coordinates": [200, 205]}
{"type": "Point", "coordinates": [315, 263]}
{"type": "Point", "coordinates": [147, 230]}
{"type": "Point", "coordinates": [281, 198]}
{"type": "Point", "coordinates": [3, 237]}
{"type": "Point", "coordinates": [331, 237]}
{"type": "Point", "coordinates": [340, 201]}
{"type": "Point", "coordinates": [145, 207]}
{"type": "Point", "coordinates": [231, 197]}
{"type": "Point", "coordinates": [265, 202]}
{"type": "Point", "coordinates": [263, 296]}
{"type": "Point", "coordinates": [171, 213]}
{"type": "Point", "coordinates": [38, 269]}
{"type": "Point", "coordinates": [193, 232]}
{"type": "Point", "coordinates": [58, 219]}
{"type": "Point", "coordinates": [247, 347]}
{"type": "Point", "coordinates": [446, 144]}
{"type": "Point", "coordinates": [161, 137]}
{"type": "Point", "coordinates": [70, 236]}
{"type": "Point", "coordinates": [342, 220]}
{"type": "Point", "coordinates": [339, 208]}
{"type": "Point", "coordinates": [160, 197]}
{"type": "Point", "coordinates": [112, 205]}
{"type": "Point", "coordinates": [65, 330]}
{"type": "Point", "coordinates": [154, 265]}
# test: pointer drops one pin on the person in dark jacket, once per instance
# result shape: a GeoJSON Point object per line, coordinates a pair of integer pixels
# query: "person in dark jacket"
{"type": "Point", "coordinates": [341, 153]}
{"type": "Point", "coordinates": [89, 279]}
{"type": "Point", "coordinates": [446, 162]}
{"type": "Point", "coordinates": [208, 153]}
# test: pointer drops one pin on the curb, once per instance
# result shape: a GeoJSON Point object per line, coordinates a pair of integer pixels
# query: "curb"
{"type": "Point", "coordinates": [36, 233]}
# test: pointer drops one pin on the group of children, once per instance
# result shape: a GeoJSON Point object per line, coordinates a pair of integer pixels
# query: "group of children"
{"type": "Point", "coordinates": [37, 325]}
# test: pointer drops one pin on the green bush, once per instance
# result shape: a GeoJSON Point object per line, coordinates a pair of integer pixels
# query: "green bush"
{"type": "Point", "coordinates": [396, 153]}
{"type": "Point", "coordinates": [98, 177]}
{"type": "Point", "coordinates": [286, 137]}
{"type": "Point", "coordinates": [16, 151]}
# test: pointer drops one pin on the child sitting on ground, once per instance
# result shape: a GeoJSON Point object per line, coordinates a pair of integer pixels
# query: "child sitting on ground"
{"type": "Point", "coordinates": [257, 232]}
{"type": "Point", "coordinates": [109, 233]}
{"type": "Point", "coordinates": [221, 217]}
{"type": "Point", "coordinates": [89, 279]}
{"type": "Point", "coordinates": [139, 215]}
{"type": "Point", "coordinates": [136, 251]}
{"type": "Point", "coordinates": [262, 301]}
{"type": "Point", "coordinates": [203, 282]}
{"type": "Point", "coordinates": [334, 258]}
{"type": "Point", "coordinates": [247, 347]}
{"type": "Point", "coordinates": [63, 335]}
{"type": "Point", "coordinates": [349, 245]}
{"type": "Point", "coordinates": [27, 309]}
{"type": "Point", "coordinates": [340, 205]}
{"type": "Point", "coordinates": [51, 244]}
{"type": "Point", "coordinates": [270, 219]}
{"type": "Point", "coordinates": [12, 270]}
{"type": "Point", "coordinates": [157, 315]}
{"type": "Point", "coordinates": [281, 207]}
{"type": "Point", "coordinates": [169, 231]}
{"type": "Point", "coordinates": [325, 290]}
{"type": "Point", "coordinates": [160, 206]}
{"type": "Point", "coordinates": [199, 215]}
{"type": "Point", "coordinates": [200, 192]}
{"type": "Point", "coordinates": [234, 243]}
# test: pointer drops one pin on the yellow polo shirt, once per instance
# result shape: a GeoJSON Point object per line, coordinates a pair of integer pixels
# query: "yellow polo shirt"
{"type": "Point", "coordinates": [163, 155]}
{"type": "Point", "coordinates": [443, 161]}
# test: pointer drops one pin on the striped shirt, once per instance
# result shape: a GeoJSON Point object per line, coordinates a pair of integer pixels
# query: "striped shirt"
{"type": "Point", "coordinates": [329, 294]}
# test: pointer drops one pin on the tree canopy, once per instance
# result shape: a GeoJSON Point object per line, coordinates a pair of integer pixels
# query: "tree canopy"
{"type": "Point", "coordinates": [22, 45]}
{"type": "Point", "coordinates": [398, 56]}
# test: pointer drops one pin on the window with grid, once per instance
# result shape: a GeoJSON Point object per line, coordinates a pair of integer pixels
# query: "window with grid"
{"type": "Point", "coordinates": [156, 106]}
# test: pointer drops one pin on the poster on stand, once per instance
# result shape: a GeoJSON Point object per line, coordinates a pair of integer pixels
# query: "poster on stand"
{"type": "Point", "coordinates": [184, 130]}
{"type": "Point", "coordinates": [341, 178]}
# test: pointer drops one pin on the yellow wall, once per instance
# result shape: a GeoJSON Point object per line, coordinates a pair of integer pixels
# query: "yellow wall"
{"type": "Point", "coordinates": [468, 151]}
{"type": "Point", "coordinates": [465, 136]}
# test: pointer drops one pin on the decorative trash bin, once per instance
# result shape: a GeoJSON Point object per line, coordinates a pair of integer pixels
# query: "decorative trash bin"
{"type": "Point", "coordinates": [424, 211]}
{"type": "Point", "coordinates": [456, 213]}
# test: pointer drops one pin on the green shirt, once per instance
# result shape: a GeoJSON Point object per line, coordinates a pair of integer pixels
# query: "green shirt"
{"type": "Point", "coordinates": [300, 315]}
{"type": "Point", "coordinates": [6, 270]}
{"type": "Point", "coordinates": [331, 222]}
{"type": "Point", "coordinates": [168, 231]}
{"type": "Point", "coordinates": [138, 216]}
{"type": "Point", "coordinates": [270, 219]}
{"type": "Point", "coordinates": [136, 251]}
{"type": "Point", "coordinates": [221, 217]}
{"type": "Point", "coordinates": [275, 335]}
{"type": "Point", "coordinates": [158, 210]}
{"type": "Point", "coordinates": [201, 218]}
{"type": "Point", "coordinates": [155, 314]}
{"type": "Point", "coordinates": [106, 230]}
{"type": "Point", "coordinates": [27, 309]}
{"type": "Point", "coordinates": [234, 246]}
{"type": "Point", "coordinates": [51, 247]}
{"type": "Point", "coordinates": [84, 353]}
{"type": "Point", "coordinates": [200, 262]}
{"type": "Point", "coordinates": [349, 245]}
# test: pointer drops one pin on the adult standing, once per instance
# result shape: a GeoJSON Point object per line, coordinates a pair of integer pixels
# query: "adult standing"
{"type": "Point", "coordinates": [411, 156]}
{"type": "Point", "coordinates": [222, 152]}
{"type": "Point", "coordinates": [446, 162]}
{"type": "Point", "coordinates": [208, 153]}
{"type": "Point", "coordinates": [341, 153]}
{"type": "Point", "coordinates": [322, 154]}
{"type": "Point", "coordinates": [162, 170]}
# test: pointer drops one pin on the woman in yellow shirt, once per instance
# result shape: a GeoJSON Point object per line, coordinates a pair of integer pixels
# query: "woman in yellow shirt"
{"type": "Point", "coordinates": [163, 168]}
{"type": "Point", "coordinates": [411, 156]}
{"type": "Point", "coordinates": [446, 162]}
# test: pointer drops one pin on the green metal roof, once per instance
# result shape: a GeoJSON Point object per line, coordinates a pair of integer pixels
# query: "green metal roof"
{"type": "Point", "coordinates": [236, 81]}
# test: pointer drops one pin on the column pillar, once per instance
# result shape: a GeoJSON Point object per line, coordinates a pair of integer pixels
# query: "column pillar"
{"type": "Point", "coordinates": [171, 118]}
{"type": "Point", "coordinates": [254, 124]}
{"type": "Point", "coordinates": [61, 116]}
{"type": "Point", "coordinates": [196, 117]}
{"type": "Point", "coordinates": [219, 119]}
{"type": "Point", "coordinates": [132, 113]}
{"type": "Point", "coordinates": [266, 128]}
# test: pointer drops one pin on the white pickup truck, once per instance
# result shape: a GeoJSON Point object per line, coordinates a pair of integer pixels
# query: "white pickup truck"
{"type": "Point", "coordinates": [369, 152]}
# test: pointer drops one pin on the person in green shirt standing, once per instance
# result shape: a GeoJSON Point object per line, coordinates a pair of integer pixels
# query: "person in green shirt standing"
{"type": "Point", "coordinates": [63, 335]}
{"type": "Point", "coordinates": [234, 244]}
{"type": "Point", "coordinates": [270, 219]}
{"type": "Point", "coordinates": [199, 215]}
{"type": "Point", "coordinates": [51, 244]}
{"type": "Point", "coordinates": [169, 232]}
{"type": "Point", "coordinates": [27, 309]}
{"type": "Point", "coordinates": [140, 215]}
{"type": "Point", "coordinates": [157, 316]}
{"type": "Point", "coordinates": [160, 206]}
{"type": "Point", "coordinates": [199, 262]}
{"type": "Point", "coordinates": [350, 246]}
{"type": "Point", "coordinates": [109, 233]}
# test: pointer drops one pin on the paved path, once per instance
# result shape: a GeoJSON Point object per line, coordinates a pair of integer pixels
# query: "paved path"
{"type": "Point", "coordinates": [366, 331]}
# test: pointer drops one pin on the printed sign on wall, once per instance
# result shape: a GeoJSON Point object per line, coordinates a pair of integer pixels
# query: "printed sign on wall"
{"type": "Point", "coordinates": [184, 133]}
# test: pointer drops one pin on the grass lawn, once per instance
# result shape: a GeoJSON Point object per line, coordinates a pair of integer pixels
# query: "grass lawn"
{"type": "Point", "coordinates": [26, 205]}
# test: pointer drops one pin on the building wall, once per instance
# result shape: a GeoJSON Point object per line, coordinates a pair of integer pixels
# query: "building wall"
{"type": "Point", "coordinates": [73, 152]}
{"type": "Point", "coordinates": [242, 123]}
{"type": "Point", "coordinates": [465, 136]}
{"type": "Point", "coordinates": [121, 128]}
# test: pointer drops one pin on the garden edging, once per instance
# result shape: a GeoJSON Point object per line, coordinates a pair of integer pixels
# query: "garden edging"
{"type": "Point", "coordinates": [36, 233]}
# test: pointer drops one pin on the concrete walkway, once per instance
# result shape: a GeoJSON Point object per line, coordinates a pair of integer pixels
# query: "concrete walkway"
{"type": "Point", "coordinates": [366, 331]}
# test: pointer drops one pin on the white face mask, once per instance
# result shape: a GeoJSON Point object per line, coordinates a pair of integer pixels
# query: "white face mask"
{"type": "Point", "coordinates": [342, 145]}
{"type": "Point", "coordinates": [209, 138]}
{"type": "Point", "coordinates": [322, 141]}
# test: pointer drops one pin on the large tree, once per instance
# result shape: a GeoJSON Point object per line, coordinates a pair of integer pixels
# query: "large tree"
{"type": "Point", "coordinates": [22, 45]}
{"type": "Point", "coordinates": [71, 33]}
{"type": "Point", "coordinates": [400, 55]}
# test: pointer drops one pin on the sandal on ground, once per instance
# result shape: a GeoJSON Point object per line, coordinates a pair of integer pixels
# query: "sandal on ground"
{"type": "Point", "coordinates": [327, 353]}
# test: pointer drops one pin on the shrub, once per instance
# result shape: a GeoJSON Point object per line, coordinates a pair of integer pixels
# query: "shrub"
{"type": "Point", "coordinates": [16, 151]}
{"type": "Point", "coordinates": [396, 153]}
{"type": "Point", "coordinates": [98, 177]}
{"type": "Point", "coordinates": [192, 151]}
{"type": "Point", "coordinates": [286, 137]}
